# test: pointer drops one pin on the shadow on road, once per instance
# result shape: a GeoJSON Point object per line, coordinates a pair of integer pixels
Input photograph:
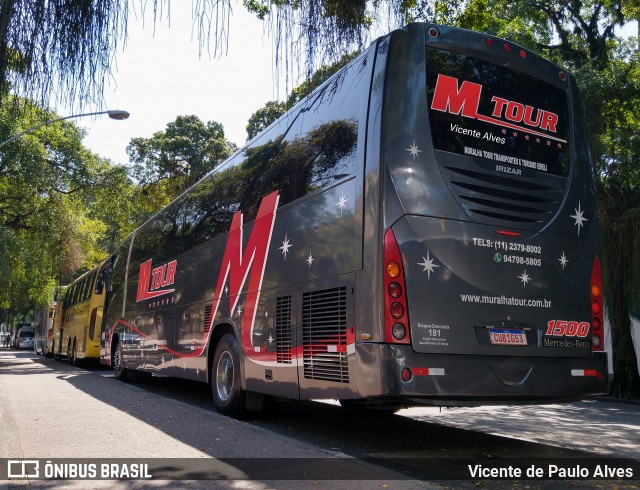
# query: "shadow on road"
{"type": "Point", "coordinates": [419, 448]}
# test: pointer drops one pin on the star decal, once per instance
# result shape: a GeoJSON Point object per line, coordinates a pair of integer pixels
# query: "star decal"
{"type": "Point", "coordinates": [563, 260]}
{"type": "Point", "coordinates": [428, 265]}
{"type": "Point", "coordinates": [162, 360]}
{"type": "Point", "coordinates": [580, 219]}
{"type": "Point", "coordinates": [285, 246]}
{"type": "Point", "coordinates": [310, 259]}
{"type": "Point", "coordinates": [270, 339]}
{"type": "Point", "coordinates": [413, 150]}
{"type": "Point", "coordinates": [342, 203]}
{"type": "Point", "coordinates": [524, 277]}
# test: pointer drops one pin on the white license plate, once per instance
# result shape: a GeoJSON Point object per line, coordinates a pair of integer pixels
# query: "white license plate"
{"type": "Point", "coordinates": [507, 337]}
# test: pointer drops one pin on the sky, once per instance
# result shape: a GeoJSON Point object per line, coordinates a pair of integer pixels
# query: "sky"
{"type": "Point", "coordinates": [161, 75]}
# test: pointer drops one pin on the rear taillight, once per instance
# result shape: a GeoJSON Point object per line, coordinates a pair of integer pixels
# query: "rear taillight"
{"type": "Point", "coordinates": [396, 317]}
{"type": "Point", "coordinates": [597, 308]}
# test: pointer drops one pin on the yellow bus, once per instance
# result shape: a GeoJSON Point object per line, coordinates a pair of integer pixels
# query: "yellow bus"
{"type": "Point", "coordinates": [78, 333]}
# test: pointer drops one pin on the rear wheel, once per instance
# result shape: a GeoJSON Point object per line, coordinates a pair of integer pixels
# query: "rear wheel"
{"type": "Point", "coordinates": [117, 361]}
{"type": "Point", "coordinates": [71, 353]}
{"type": "Point", "coordinates": [228, 396]}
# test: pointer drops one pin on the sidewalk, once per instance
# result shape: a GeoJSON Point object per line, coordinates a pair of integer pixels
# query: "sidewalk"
{"type": "Point", "coordinates": [51, 410]}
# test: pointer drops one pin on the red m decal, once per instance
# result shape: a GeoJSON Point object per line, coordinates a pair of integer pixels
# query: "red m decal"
{"type": "Point", "coordinates": [236, 266]}
{"type": "Point", "coordinates": [448, 98]}
{"type": "Point", "coordinates": [150, 280]}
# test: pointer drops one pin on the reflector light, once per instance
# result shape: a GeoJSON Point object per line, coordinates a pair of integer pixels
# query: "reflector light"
{"type": "Point", "coordinates": [590, 373]}
{"type": "Point", "coordinates": [595, 340]}
{"type": "Point", "coordinates": [506, 47]}
{"type": "Point", "coordinates": [433, 32]}
{"type": "Point", "coordinates": [596, 324]}
{"type": "Point", "coordinates": [508, 233]}
{"type": "Point", "coordinates": [489, 42]}
{"type": "Point", "coordinates": [428, 371]}
{"type": "Point", "coordinates": [595, 307]}
{"type": "Point", "coordinates": [595, 290]}
{"type": "Point", "coordinates": [523, 54]}
{"type": "Point", "coordinates": [562, 75]}
{"type": "Point", "coordinates": [405, 374]}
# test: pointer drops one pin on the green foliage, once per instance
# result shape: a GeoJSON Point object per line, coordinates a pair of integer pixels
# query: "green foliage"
{"type": "Point", "coordinates": [263, 117]}
{"type": "Point", "coordinates": [71, 43]}
{"type": "Point", "coordinates": [272, 110]}
{"type": "Point", "coordinates": [181, 155]}
{"type": "Point", "coordinates": [62, 209]}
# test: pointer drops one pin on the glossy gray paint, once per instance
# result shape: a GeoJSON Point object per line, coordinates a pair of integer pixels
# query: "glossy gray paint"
{"type": "Point", "coordinates": [330, 241]}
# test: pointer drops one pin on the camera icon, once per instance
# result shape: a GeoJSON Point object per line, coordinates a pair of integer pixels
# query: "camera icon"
{"type": "Point", "coordinates": [23, 468]}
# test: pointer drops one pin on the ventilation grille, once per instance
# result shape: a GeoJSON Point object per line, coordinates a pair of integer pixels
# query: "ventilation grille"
{"type": "Point", "coordinates": [283, 330]}
{"type": "Point", "coordinates": [208, 310]}
{"type": "Point", "coordinates": [324, 335]}
{"type": "Point", "coordinates": [494, 199]}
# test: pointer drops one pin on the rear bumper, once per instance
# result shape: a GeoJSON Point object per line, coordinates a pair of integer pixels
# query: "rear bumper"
{"type": "Point", "coordinates": [464, 380]}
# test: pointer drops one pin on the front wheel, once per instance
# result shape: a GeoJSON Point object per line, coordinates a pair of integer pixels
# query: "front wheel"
{"type": "Point", "coordinates": [228, 396]}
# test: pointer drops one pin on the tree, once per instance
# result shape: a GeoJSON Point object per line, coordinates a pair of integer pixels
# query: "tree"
{"type": "Point", "coordinates": [62, 51]}
{"type": "Point", "coordinates": [55, 197]}
{"type": "Point", "coordinates": [71, 43]}
{"type": "Point", "coordinates": [180, 155]}
{"type": "Point", "coordinates": [272, 110]}
{"type": "Point", "coordinates": [263, 117]}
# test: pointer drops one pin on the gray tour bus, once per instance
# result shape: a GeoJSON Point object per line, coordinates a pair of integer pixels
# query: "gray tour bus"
{"type": "Point", "coordinates": [420, 229]}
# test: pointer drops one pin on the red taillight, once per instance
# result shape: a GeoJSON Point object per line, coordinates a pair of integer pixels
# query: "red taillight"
{"type": "Point", "coordinates": [396, 318]}
{"type": "Point", "coordinates": [597, 311]}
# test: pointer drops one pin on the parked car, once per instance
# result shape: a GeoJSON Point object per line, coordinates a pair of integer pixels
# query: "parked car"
{"type": "Point", "coordinates": [24, 338]}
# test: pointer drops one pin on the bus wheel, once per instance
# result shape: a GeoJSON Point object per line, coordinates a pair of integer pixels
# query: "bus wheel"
{"type": "Point", "coordinates": [228, 398]}
{"type": "Point", "coordinates": [119, 371]}
{"type": "Point", "coordinates": [71, 354]}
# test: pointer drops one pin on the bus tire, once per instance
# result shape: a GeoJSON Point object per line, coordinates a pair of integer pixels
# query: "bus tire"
{"type": "Point", "coordinates": [71, 354]}
{"type": "Point", "coordinates": [119, 371]}
{"type": "Point", "coordinates": [228, 396]}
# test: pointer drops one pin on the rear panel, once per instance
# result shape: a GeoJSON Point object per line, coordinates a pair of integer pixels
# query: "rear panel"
{"type": "Point", "coordinates": [488, 189]}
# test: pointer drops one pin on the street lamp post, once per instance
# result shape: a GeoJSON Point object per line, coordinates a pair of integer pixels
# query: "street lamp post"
{"type": "Point", "coordinates": [118, 115]}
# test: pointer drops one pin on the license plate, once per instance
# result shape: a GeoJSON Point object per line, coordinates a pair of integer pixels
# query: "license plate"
{"type": "Point", "coordinates": [507, 337]}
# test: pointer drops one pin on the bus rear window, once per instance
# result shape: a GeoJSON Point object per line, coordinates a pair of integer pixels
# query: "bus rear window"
{"type": "Point", "coordinates": [488, 111]}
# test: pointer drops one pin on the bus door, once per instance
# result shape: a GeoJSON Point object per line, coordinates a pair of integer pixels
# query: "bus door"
{"type": "Point", "coordinates": [189, 337]}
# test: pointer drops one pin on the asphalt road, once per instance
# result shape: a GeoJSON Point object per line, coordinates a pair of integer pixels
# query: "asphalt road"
{"type": "Point", "coordinates": [52, 410]}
